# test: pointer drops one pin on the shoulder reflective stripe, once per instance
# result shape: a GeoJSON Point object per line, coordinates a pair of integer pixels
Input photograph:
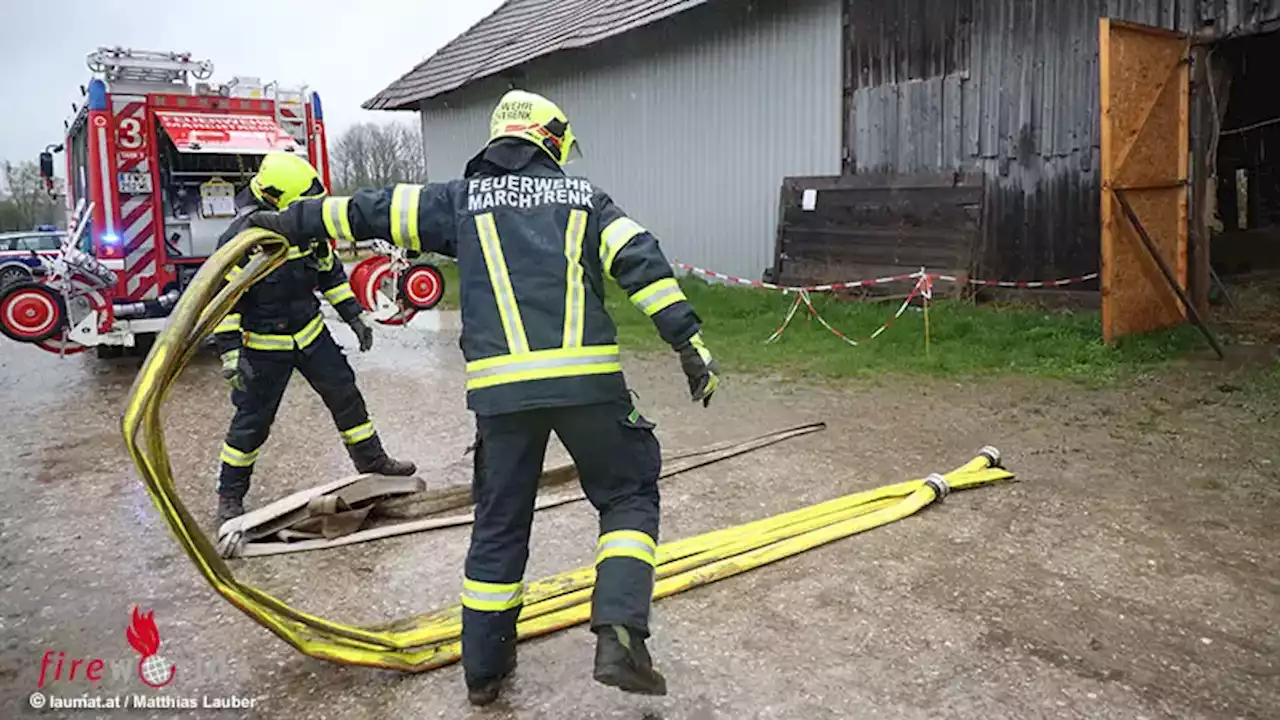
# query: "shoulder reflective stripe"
{"type": "Point", "coordinates": [657, 296]}
{"type": "Point", "coordinates": [574, 290]}
{"type": "Point", "coordinates": [626, 543]}
{"type": "Point", "coordinates": [404, 216]}
{"type": "Point", "coordinates": [297, 252]}
{"type": "Point", "coordinates": [238, 458]}
{"type": "Point", "coordinates": [336, 221]}
{"type": "Point", "coordinates": [491, 245]}
{"type": "Point", "coordinates": [230, 323]}
{"type": "Point", "coordinates": [358, 434]}
{"type": "Point", "coordinates": [615, 236]}
{"type": "Point", "coordinates": [339, 294]}
{"type": "Point", "coordinates": [543, 365]}
{"type": "Point", "coordinates": [491, 597]}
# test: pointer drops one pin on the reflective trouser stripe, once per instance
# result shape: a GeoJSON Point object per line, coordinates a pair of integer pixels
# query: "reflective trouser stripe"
{"type": "Point", "coordinates": [302, 338]}
{"type": "Point", "coordinates": [358, 434]}
{"type": "Point", "coordinates": [339, 294]}
{"type": "Point", "coordinates": [230, 323]}
{"type": "Point", "coordinates": [615, 236]}
{"type": "Point", "coordinates": [238, 458]}
{"type": "Point", "coordinates": [404, 216]}
{"type": "Point", "coordinates": [657, 296]}
{"type": "Point", "coordinates": [574, 290]}
{"type": "Point", "coordinates": [627, 543]}
{"type": "Point", "coordinates": [543, 365]}
{"type": "Point", "coordinates": [491, 597]}
{"type": "Point", "coordinates": [491, 245]}
{"type": "Point", "coordinates": [336, 222]}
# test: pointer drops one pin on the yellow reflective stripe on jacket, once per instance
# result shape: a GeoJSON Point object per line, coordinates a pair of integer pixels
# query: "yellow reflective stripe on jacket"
{"type": "Point", "coordinates": [491, 245]}
{"type": "Point", "coordinates": [296, 253]}
{"type": "Point", "coordinates": [238, 458]}
{"type": "Point", "coordinates": [627, 543]}
{"type": "Point", "coordinates": [404, 216]}
{"type": "Point", "coordinates": [336, 222]}
{"type": "Point", "coordinates": [575, 296]}
{"type": "Point", "coordinates": [659, 295]}
{"type": "Point", "coordinates": [543, 365]}
{"type": "Point", "coordinates": [302, 338]}
{"type": "Point", "coordinates": [615, 237]}
{"type": "Point", "coordinates": [340, 293]}
{"type": "Point", "coordinates": [491, 597]}
{"type": "Point", "coordinates": [357, 434]}
{"type": "Point", "coordinates": [230, 323]}
{"type": "Point", "coordinates": [234, 273]}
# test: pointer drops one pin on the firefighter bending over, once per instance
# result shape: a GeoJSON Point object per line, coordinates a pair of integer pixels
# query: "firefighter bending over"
{"type": "Point", "coordinates": [534, 248]}
{"type": "Point", "coordinates": [276, 328]}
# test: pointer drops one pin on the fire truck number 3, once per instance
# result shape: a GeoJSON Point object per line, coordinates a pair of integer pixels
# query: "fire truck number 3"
{"type": "Point", "coordinates": [130, 134]}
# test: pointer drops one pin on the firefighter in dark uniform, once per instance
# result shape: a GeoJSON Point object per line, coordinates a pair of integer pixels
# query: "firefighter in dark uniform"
{"type": "Point", "coordinates": [276, 327]}
{"type": "Point", "coordinates": [534, 248]}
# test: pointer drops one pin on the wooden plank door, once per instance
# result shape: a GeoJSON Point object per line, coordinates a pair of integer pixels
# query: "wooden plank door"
{"type": "Point", "coordinates": [1145, 75]}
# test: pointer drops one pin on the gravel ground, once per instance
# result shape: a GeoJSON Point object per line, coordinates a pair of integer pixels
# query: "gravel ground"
{"type": "Point", "coordinates": [1131, 573]}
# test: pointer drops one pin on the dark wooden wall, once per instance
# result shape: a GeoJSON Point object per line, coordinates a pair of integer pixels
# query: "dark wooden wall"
{"type": "Point", "coordinates": [872, 225]}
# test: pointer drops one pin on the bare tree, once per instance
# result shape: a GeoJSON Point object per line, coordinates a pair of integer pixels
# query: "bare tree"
{"type": "Point", "coordinates": [374, 155]}
{"type": "Point", "coordinates": [29, 203]}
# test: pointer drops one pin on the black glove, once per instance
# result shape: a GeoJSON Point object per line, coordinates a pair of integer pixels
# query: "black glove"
{"type": "Point", "coordinates": [236, 370]}
{"type": "Point", "coordinates": [700, 369]}
{"type": "Point", "coordinates": [282, 223]}
{"type": "Point", "coordinates": [363, 332]}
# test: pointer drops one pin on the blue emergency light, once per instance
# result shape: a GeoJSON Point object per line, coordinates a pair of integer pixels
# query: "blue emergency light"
{"type": "Point", "coordinates": [110, 239]}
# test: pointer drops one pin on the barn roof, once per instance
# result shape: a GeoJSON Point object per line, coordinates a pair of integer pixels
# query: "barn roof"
{"type": "Point", "coordinates": [517, 32]}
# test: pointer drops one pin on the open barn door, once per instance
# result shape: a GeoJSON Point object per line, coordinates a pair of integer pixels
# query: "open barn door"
{"type": "Point", "coordinates": [1145, 139]}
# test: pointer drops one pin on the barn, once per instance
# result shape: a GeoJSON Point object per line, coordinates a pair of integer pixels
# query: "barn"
{"type": "Point", "coordinates": [694, 112]}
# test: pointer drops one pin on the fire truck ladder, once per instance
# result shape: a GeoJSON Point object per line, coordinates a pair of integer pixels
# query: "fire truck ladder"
{"type": "Point", "coordinates": [146, 66]}
{"type": "Point", "coordinates": [291, 110]}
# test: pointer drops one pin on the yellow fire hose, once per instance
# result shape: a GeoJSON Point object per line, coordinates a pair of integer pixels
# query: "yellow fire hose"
{"type": "Point", "coordinates": [430, 641]}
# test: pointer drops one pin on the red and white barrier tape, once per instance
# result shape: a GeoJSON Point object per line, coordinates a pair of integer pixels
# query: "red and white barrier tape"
{"type": "Point", "coordinates": [923, 288]}
{"type": "Point", "coordinates": [883, 280]}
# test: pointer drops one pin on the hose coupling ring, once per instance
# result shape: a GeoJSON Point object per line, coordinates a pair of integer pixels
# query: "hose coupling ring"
{"type": "Point", "coordinates": [939, 484]}
{"type": "Point", "coordinates": [992, 454]}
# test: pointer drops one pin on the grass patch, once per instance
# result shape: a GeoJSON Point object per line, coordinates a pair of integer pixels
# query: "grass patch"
{"type": "Point", "coordinates": [964, 339]}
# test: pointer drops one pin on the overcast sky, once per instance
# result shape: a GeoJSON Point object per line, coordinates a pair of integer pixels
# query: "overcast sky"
{"type": "Point", "coordinates": [347, 50]}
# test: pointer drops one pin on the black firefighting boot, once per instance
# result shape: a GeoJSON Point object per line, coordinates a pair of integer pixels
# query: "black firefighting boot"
{"type": "Point", "coordinates": [369, 457]}
{"type": "Point", "coordinates": [485, 691]}
{"type": "Point", "coordinates": [622, 661]}
{"type": "Point", "coordinates": [229, 506]}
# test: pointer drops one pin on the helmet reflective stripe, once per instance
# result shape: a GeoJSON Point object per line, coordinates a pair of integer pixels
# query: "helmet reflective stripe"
{"type": "Point", "coordinates": [531, 117]}
{"type": "Point", "coordinates": [283, 179]}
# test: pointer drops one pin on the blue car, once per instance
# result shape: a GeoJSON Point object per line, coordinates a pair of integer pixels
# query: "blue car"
{"type": "Point", "coordinates": [16, 262]}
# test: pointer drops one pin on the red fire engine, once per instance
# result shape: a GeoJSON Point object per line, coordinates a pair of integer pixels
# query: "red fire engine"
{"type": "Point", "coordinates": [153, 157]}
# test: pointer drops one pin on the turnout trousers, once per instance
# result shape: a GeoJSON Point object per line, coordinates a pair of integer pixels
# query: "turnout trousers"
{"type": "Point", "coordinates": [325, 367]}
{"type": "Point", "coordinates": [618, 460]}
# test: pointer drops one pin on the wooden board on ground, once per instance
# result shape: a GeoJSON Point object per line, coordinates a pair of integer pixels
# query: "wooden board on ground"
{"type": "Point", "coordinates": [1145, 137]}
{"type": "Point", "coordinates": [856, 227]}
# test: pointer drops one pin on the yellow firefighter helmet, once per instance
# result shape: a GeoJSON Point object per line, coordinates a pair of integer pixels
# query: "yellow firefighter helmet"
{"type": "Point", "coordinates": [283, 179]}
{"type": "Point", "coordinates": [531, 117]}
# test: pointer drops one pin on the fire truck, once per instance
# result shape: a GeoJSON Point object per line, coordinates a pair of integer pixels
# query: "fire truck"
{"type": "Point", "coordinates": [154, 155]}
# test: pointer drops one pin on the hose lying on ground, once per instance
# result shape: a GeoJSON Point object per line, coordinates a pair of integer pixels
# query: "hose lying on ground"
{"type": "Point", "coordinates": [427, 642]}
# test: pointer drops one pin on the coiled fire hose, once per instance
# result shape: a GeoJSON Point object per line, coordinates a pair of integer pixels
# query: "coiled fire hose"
{"type": "Point", "coordinates": [430, 641]}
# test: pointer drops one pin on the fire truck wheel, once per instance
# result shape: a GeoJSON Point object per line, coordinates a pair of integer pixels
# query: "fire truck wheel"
{"type": "Point", "coordinates": [31, 312]}
{"type": "Point", "coordinates": [14, 273]}
{"type": "Point", "coordinates": [421, 287]}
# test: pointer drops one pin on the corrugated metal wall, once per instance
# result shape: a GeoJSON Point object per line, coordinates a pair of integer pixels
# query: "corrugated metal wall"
{"type": "Point", "coordinates": [1008, 87]}
{"type": "Point", "coordinates": [689, 124]}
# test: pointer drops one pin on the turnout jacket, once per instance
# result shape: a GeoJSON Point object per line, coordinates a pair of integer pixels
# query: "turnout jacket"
{"type": "Point", "coordinates": [533, 248]}
{"type": "Point", "coordinates": [281, 311]}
